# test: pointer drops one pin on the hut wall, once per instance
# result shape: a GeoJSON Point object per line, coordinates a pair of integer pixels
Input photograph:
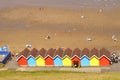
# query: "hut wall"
{"type": "Point", "coordinates": [104, 61]}
{"type": "Point", "coordinates": [85, 61]}
{"type": "Point", "coordinates": [67, 61]}
{"type": "Point", "coordinates": [94, 61]}
{"type": "Point", "coordinates": [31, 61]}
{"type": "Point", "coordinates": [40, 61]}
{"type": "Point", "coordinates": [75, 59]}
{"type": "Point", "coordinates": [22, 61]}
{"type": "Point", "coordinates": [57, 61]}
{"type": "Point", "coordinates": [49, 61]}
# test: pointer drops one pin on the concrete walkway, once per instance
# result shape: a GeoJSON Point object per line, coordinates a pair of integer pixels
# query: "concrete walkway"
{"type": "Point", "coordinates": [115, 67]}
{"type": "Point", "coordinates": [12, 64]}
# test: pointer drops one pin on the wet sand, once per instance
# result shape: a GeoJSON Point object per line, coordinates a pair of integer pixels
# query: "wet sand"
{"type": "Point", "coordinates": [70, 4]}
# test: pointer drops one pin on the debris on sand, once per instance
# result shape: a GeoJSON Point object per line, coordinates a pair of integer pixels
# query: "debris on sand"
{"type": "Point", "coordinates": [28, 45]}
{"type": "Point", "coordinates": [100, 10]}
{"type": "Point", "coordinates": [82, 17]}
{"type": "Point", "coordinates": [89, 39]}
{"type": "Point", "coordinates": [114, 38]}
{"type": "Point", "coordinates": [48, 37]}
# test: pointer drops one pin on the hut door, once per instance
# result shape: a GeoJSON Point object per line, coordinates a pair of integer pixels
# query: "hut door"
{"type": "Point", "coordinates": [75, 64]}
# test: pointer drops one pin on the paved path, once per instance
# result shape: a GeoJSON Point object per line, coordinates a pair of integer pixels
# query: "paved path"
{"type": "Point", "coordinates": [115, 67]}
{"type": "Point", "coordinates": [12, 64]}
{"type": "Point", "coordinates": [82, 69]}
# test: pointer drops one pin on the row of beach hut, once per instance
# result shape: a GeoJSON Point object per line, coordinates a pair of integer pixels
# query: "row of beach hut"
{"type": "Point", "coordinates": [67, 57]}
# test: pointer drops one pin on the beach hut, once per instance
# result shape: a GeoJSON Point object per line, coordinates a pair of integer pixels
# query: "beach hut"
{"type": "Point", "coordinates": [22, 57]}
{"type": "Point", "coordinates": [67, 57]}
{"type": "Point", "coordinates": [40, 58]}
{"type": "Point", "coordinates": [104, 57]}
{"type": "Point", "coordinates": [85, 61]}
{"type": "Point", "coordinates": [58, 57]}
{"type": "Point", "coordinates": [49, 57]}
{"type": "Point", "coordinates": [94, 57]}
{"type": "Point", "coordinates": [31, 57]}
{"type": "Point", "coordinates": [76, 57]}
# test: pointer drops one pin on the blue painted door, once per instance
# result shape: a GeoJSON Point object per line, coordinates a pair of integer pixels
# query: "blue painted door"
{"type": "Point", "coordinates": [57, 61]}
{"type": "Point", "coordinates": [85, 61]}
{"type": "Point", "coordinates": [31, 61]}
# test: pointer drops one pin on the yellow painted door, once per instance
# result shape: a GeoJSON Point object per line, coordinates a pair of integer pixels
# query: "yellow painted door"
{"type": "Point", "coordinates": [67, 61]}
{"type": "Point", "coordinates": [40, 61]}
{"type": "Point", "coordinates": [94, 61]}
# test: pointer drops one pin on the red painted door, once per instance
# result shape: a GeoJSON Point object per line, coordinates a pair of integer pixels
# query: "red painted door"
{"type": "Point", "coordinates": [104, 61]}
{"type": "Point", "coordinates": [49, 61]}
{"type": "Point", "coordinates": [22, 61]}
{"type": "Point", "coordinates": [75, 59]}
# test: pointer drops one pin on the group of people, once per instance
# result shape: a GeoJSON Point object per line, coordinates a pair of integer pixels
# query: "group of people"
{"type": "Point", "coordinates": [115, 57]}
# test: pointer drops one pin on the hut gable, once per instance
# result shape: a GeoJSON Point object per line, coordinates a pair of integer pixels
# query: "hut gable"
{"type": "Point", "coordinates": [76, 52]}
{"type": "Point", "coordinates": [94, 52]}
{"type": "Point", "coordinates": [42, 52]}
{"type": "Point", "coordinates": [85, 52]}
{"type": "Point", "coordinates": [50, 53]}
{"type": "Point", "coordinates": [59, 52]}
{"type": "Point", "coordinates": [67, 52]}
{"type": "Point", "coordinates": [105, 52]}
{"type": "Point", "coordinates": [33, 53]}
{"type": "Point", "coordinates": [23, 53]}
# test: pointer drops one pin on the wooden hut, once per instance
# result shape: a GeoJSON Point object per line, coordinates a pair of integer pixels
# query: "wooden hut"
{"type": "Point", "coordinates": [58, 57]}
{"type": "Point", "coordinates": [67, 57]}
{"type": "Point", "coordinates": [94, 57]}
{"type": "Point", "coordinates": [49, 57]}
{"type": "Point", "coordinates": [31, 57]}
{"type": "Point", "coordinates": [76, 57]}
{"type": "Point", "coordinates": [40, 58]}
{"type": "Point", "coordinates": [22, 57]}
{"type": "Point", "coordinates": [85, 61]}
{"type": "Point", "coordinates": [104, 57]}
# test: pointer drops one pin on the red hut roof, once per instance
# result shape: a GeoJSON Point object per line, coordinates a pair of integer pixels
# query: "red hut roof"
{"type": "Point", "coordinates": [50, 52]}
{"type": "Point", "coordinates": [105, 52]}
{"type": "Point", "coordinates": [86, 52]}
{"type": "Point", "coordinates": [59, 52]}
{"type": "Point", "coordinates": [42, 52]}
{"type": "Point", "coordinates": [68, 52]}
{"type": "Point", "coordinates": [34, 52]}
{"type": "Point", "coordinates": [95, 52]}
{"type": "Point", "coordinates": [25, 53]}
{"type": "Point", "coordinates": [76, 52]}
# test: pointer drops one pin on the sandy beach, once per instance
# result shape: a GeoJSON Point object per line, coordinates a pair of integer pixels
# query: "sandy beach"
{"type": "Point", "coordinates": [68, 27]}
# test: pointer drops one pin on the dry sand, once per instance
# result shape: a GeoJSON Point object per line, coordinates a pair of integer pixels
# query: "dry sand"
{"type": "Point", "coordinates": [22, 25]}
